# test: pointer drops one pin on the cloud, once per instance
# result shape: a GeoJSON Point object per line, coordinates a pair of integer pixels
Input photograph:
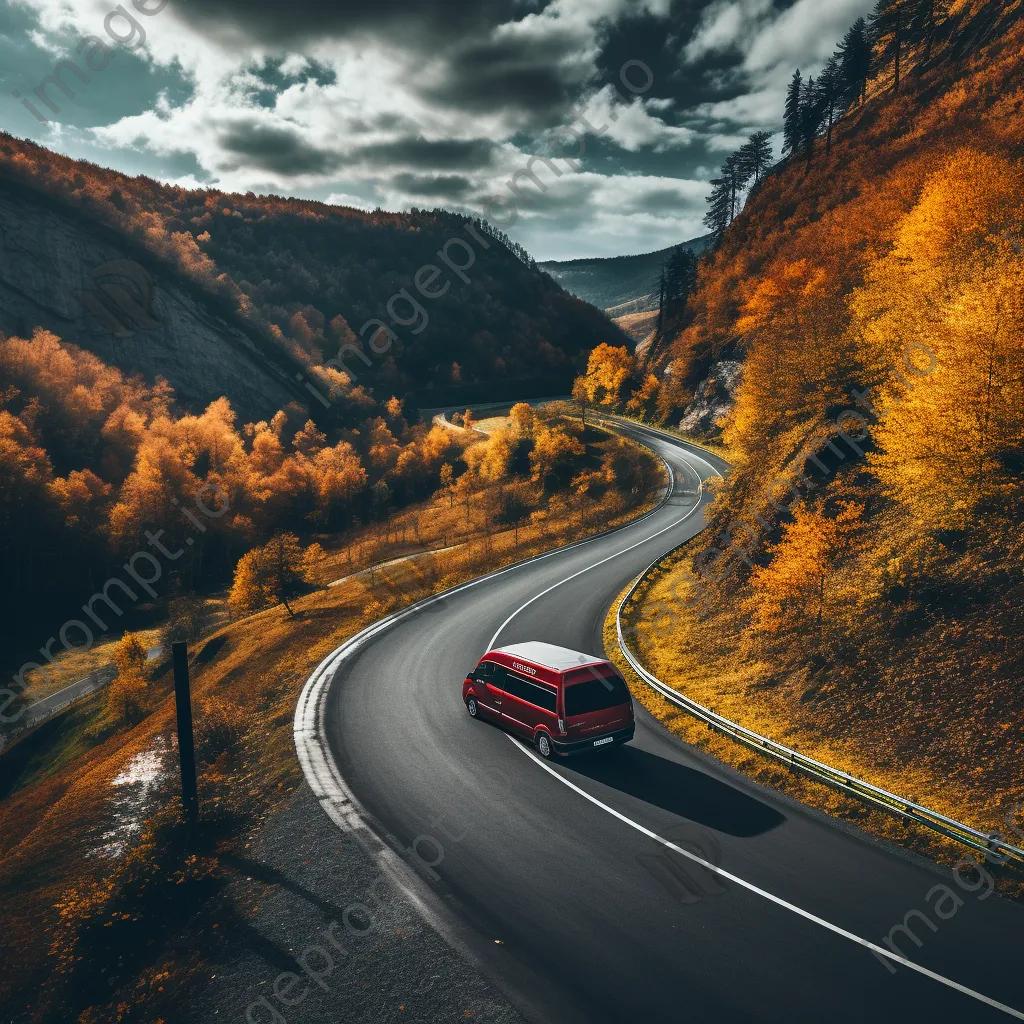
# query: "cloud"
{"type": "Point", "coordinates": [726, 25]}
{"type": "Point", "coordinates": [439, 102]}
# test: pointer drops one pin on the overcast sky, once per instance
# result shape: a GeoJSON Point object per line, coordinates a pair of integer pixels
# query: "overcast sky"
{"type": "Point", "coordinates": [401, 103]}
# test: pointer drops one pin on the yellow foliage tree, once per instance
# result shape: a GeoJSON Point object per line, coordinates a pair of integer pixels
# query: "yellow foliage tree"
{"type": "Point", "coordinates": [608, 370]}
{"type": "Point", "coordinates": [795, 592]}
{"type": "Point", "coordinates": [271, 574]}
{"type": "Point", "coordinates": [554, 455]}
{"type": "Point", "coordinates": [946, 308]}
{"type": "Point", "coordinates": [126, 695]}
{"type": "Point", "coordinates": [522, 419]}
{"type": "Point", "coordinates": [802, 360]}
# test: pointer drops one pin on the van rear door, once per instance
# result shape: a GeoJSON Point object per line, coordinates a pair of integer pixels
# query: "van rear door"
{"type": "Point", "coordinates": [596, 702]}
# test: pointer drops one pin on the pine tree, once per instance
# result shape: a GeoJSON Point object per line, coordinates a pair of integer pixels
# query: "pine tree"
{"type": "Point", "coordinates": [811, 116]}
{"type": "Point", "coordinates": [830, 95]}
{"type": "Point", "coordinates": [926, 18]}
{"type": "Point", "coordinates": [890, 24]}
{"type": "Point", "coordinates": [756, 156]}
{"type": "Point", "coordinates": [732, 172]}
{"type": "Point", "coordinates": [855, 62]}
{"type": "Point", "coordinates": [719, 206]}
{"type": "Point", "coordinates": [679, 280]}
{"type": "Point", "coordinates": [792, 126]}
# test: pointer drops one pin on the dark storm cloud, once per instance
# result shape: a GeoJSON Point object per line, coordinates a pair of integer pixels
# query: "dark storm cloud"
{"type": "Point", "coordinates": [534, 76]}
{"type": "Point", "coordinates": [275, 149]}
{"type": "Point", "coordinates": [437, 154]}
{"type": "Point", "coordinates": [660, 200]}
{"type": "Point", "coordinates": [410, 21]}
{"type": "Point", "coordinates": [452, 187]}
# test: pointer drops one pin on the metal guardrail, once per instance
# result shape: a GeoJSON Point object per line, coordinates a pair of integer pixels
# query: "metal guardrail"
{"type": "Point", "coordinates": [989, 843]}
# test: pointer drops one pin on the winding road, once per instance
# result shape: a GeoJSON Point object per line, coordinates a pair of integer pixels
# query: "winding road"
{"type": "Point", "coordinates": [578, 887]}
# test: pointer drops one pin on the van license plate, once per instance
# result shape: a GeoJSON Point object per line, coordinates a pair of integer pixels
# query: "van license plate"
{"type": "Point", "coordinates": [601, 743]}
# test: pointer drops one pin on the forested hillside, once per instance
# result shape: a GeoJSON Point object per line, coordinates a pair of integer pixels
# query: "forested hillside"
{"type": "Point", "coordinates": [865, 558]}
{"type": "Point", "coordinates": [313, 277]}
{"type": "Point", "coordinates": [303, 337]}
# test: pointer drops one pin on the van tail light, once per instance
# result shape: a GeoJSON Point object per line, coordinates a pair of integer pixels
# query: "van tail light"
{"type": "Point", "coordinates": [561, 727]}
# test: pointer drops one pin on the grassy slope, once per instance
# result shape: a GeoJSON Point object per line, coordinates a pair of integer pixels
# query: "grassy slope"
{"type": "Point", "coordinates": [702, 658]}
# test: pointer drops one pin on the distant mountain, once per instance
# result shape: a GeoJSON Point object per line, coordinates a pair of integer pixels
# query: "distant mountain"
{"type": "Point", "coordinates": [629, 282]}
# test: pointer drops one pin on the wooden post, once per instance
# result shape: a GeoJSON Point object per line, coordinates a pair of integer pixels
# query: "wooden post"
{"type": "Point", "coordinates": [186, 742]}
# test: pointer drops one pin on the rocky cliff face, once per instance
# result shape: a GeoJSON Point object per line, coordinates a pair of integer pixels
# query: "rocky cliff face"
{"type": "Point", "coordinates": [713, 399]}
{"type": "Point", "coordinates": [77, 280]}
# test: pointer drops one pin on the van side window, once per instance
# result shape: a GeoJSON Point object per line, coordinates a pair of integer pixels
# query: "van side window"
{"type": "Point", "coordinates": [486, 670]}
{"type": "Point", "coordinates": [533, 693]}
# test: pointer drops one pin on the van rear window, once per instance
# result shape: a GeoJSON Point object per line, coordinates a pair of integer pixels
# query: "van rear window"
{"type": "Point", "coordinates": [595, 695]}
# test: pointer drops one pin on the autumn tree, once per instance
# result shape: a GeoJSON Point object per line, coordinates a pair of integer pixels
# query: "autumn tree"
{"type": "Point", "coordinates": [643, 401]}
{"type": "Point", "coordinates": [126, 695]}
{"type": "Point", "coordinates": [608, 369]}
{"type": "Point", "coordinates": [522, 419]}
{"type": "Point", "coordinates": [581, 393]}
{"type": "Point", "coordinates": [270, 575]}
{"type": "Point", "coordinates": [946, 308]}
{"type": "Point", "coordinates": [554, 456]}
{"type": "Point", "coordinates": [673, 393]}
{"type": "Point", "coordinates": [796, 592]}
{"type": "Point", "coordinates": [447, 480]}
{"type": "Point", "coordinates": [802, 361]}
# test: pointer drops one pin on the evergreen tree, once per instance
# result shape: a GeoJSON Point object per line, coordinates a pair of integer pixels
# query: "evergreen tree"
{"type": "Point", "coordinates": [719, 206]}
{"type": "Point", "coordinates": [854, 55]}
{"type": "Point", "coordinates": [733, 173]}
{"type": "Point", "coordinates": [756, 156]}
{"type": "Point", "coordinates": [679, 280]}
{"type": "Point", "coordinates": [926, 18]}
{"type": "Point", "coordinates": [811, 116]}
{"type": "Point", "coordinates": [792, 126]}
{"type": "Point", "coordinates": [890, 24]}
{"type": "Point", "coordinates": [830, 95]}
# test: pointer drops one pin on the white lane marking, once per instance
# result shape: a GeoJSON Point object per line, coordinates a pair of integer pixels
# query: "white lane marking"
{"type": "Point", "coordinates": [624, 551]}
{"type": "Point", "coordinates": [777, 900]}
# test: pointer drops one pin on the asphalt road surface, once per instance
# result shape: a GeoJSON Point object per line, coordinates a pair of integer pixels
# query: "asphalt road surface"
{"type": "Point", "coordinates": [560, 876]}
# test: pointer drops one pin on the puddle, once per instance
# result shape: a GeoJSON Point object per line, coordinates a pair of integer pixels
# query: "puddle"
{"type": "Point", "coordinates": [133, 791]}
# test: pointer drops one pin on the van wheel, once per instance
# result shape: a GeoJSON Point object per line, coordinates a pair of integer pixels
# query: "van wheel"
{"type": "Point", "coordinates": [471, 707]}
{"type": "Point", "coordinates": [544, 747]}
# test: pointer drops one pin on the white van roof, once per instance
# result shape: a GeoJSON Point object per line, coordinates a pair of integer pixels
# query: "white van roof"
{"type": "Point", "coordinates": [558, 659]}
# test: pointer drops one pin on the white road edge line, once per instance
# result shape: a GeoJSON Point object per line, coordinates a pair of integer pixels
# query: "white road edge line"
{"type": "Point", "coordinates": [777, 900]}
{"type": "Point", "coordinates": [624, 551]}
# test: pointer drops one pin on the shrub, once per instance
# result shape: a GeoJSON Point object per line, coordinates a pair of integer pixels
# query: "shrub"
{"type": "Point", "coordinates": [219, 728]}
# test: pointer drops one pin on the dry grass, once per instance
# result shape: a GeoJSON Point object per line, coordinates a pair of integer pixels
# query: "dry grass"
{"type": "Point", "coordinates": [638, 325]}
{"type": "Point", "coordinates": [253, 667]}
{"type": "Point", "coordinates": [702, 658]}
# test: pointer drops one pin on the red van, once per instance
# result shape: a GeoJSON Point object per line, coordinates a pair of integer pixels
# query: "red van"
{"type": "Point", "coordinates": [562, 701]}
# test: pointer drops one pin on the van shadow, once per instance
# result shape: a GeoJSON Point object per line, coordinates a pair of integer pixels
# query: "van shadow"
{"type": "Point", "coordinates": [678, 789]}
